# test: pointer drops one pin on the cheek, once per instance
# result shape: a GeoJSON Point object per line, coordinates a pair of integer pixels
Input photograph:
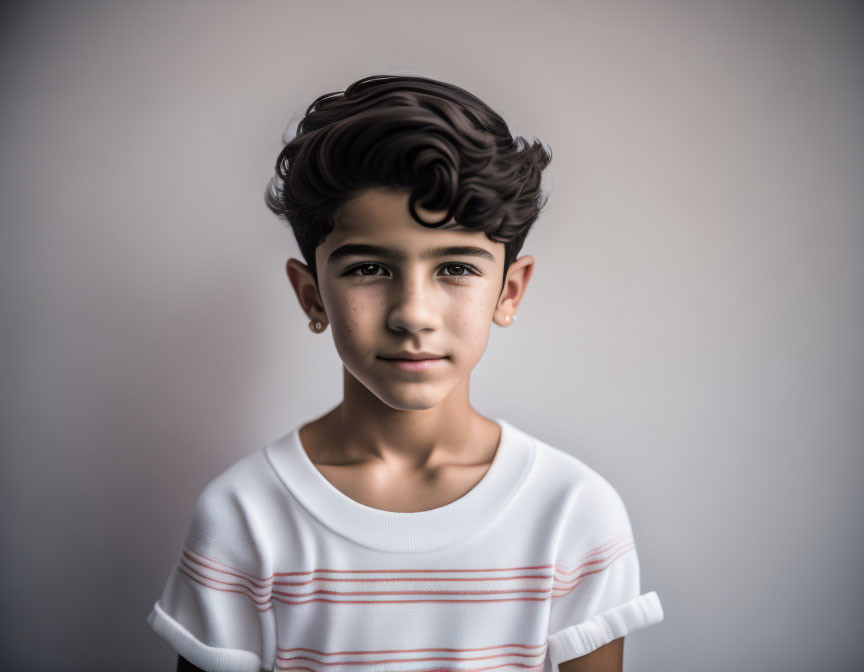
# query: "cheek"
{"type": "Point", "coordinates": [470, 321]}
{"type": "Point", "coordinates": [353, 316]}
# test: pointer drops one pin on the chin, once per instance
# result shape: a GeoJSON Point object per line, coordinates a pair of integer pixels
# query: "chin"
{"type": "Point", "coordinates": [416, 401]}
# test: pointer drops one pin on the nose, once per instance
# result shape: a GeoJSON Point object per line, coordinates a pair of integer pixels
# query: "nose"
{"type": "Point", "coordinates": [412, 303]}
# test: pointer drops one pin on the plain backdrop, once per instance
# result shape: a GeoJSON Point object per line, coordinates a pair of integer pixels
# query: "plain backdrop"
{"type": "Point", "coordinates": [693, 329]}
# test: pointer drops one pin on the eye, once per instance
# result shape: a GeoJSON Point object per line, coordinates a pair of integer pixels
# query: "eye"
{"type": "Point", "coordinates": [351, 271]}
{"type": "Point", "coordinates": [469, 270]}
{"type": "Point", "coordinates": [466, 268]}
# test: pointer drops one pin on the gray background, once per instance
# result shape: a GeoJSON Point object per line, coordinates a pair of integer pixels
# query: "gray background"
{"type": "Point", "coordinates": [693, 330]}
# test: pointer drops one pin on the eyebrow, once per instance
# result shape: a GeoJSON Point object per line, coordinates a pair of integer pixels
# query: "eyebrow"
{"type": "Point", "coordinates": [356, 249]}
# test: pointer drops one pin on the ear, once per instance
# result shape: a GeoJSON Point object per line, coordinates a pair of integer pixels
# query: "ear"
{"type": "Point", "coordinates": [518, 276]}
{"type": "Point", "coordinates": [303, 282]}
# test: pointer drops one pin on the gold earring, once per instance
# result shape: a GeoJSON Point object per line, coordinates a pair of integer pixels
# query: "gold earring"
{"type": "Point", "coordinates": [316, 326]}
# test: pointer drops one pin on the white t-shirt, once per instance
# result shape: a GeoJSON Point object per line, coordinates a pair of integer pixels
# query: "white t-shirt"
{"type": "Point", "coordinates": [280, 570]}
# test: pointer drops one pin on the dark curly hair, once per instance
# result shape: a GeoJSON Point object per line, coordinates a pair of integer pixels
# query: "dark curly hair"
{"type": "Point", "coordinates": [436, 140]}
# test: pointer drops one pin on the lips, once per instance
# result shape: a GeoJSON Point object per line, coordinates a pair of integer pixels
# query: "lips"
{"type": "Point", "coordinates": [415, 364]}
{"type": "Point", "coordinates": [413, 356]}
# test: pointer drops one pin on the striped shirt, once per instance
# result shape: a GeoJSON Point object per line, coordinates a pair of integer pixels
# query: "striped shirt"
{"type": "Point", "coordinates": [280, 570]}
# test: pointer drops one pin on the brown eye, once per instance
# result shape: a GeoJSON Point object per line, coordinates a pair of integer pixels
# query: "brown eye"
{"type": "Point", "coordinates": [468, 270]}
{"type": "Point", "coordinates": [363, 267]}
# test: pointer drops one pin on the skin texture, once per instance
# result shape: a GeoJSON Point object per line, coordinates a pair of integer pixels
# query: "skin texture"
{"type": "Point", "coordinates": [608, 658]}
{"type": "Point", "coordinates": [406, 441]}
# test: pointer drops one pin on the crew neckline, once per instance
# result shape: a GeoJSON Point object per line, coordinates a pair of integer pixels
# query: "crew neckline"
{"type": "Point", "coordinates": [398, 531]}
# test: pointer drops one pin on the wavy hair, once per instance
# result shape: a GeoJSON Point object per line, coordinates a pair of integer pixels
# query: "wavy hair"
{"type": "Point", "coordinates": [441, 143]}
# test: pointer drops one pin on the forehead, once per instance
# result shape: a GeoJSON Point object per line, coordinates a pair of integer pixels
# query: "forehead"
{"type": "Point", "coordinates": [380, 215]}
{"type": "Point", "coordinates": [378, 208]}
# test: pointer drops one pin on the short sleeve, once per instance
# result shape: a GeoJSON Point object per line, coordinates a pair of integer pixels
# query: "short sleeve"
{"type": "Point", "coordinates": [215, 609]}
{"type": "Point", "coordinates": [596, 594]}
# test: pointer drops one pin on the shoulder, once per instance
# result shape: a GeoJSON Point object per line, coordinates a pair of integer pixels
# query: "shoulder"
{"type": "Point", "coordinates": [589, 514]}
{"type": "Point", "coordinates": [229, 515]}
{"type": "Point", "coordinates": [586, 496]}
{"type": "Point", "coordinates": [244, 475]}
{"type": "Point", "coordinates": [563, 469]}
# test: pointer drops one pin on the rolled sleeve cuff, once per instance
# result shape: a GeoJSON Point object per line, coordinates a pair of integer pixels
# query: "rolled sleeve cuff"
{"type": "Point", "coordinates": [583, 638]}
{"type": "Point", "coordinates": [206, 657]}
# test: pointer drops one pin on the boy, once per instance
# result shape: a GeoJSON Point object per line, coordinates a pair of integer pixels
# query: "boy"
{"type": "Point", "coordinates": [403, 530]}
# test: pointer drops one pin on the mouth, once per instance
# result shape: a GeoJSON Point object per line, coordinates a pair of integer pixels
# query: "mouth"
{"type": "Point", "coordinates": [415, 364]}
{"type": "Point", "coordinates": [407, 354]}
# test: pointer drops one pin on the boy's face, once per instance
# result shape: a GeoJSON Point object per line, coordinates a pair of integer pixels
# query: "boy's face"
{"type": "Point", "coordinates": [378, 305]}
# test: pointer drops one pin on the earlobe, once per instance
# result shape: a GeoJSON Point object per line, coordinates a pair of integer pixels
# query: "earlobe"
{"type": "Point", "coordinates": [317, 326]}
{"type": "Point", "coordinates": [508, 319]}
